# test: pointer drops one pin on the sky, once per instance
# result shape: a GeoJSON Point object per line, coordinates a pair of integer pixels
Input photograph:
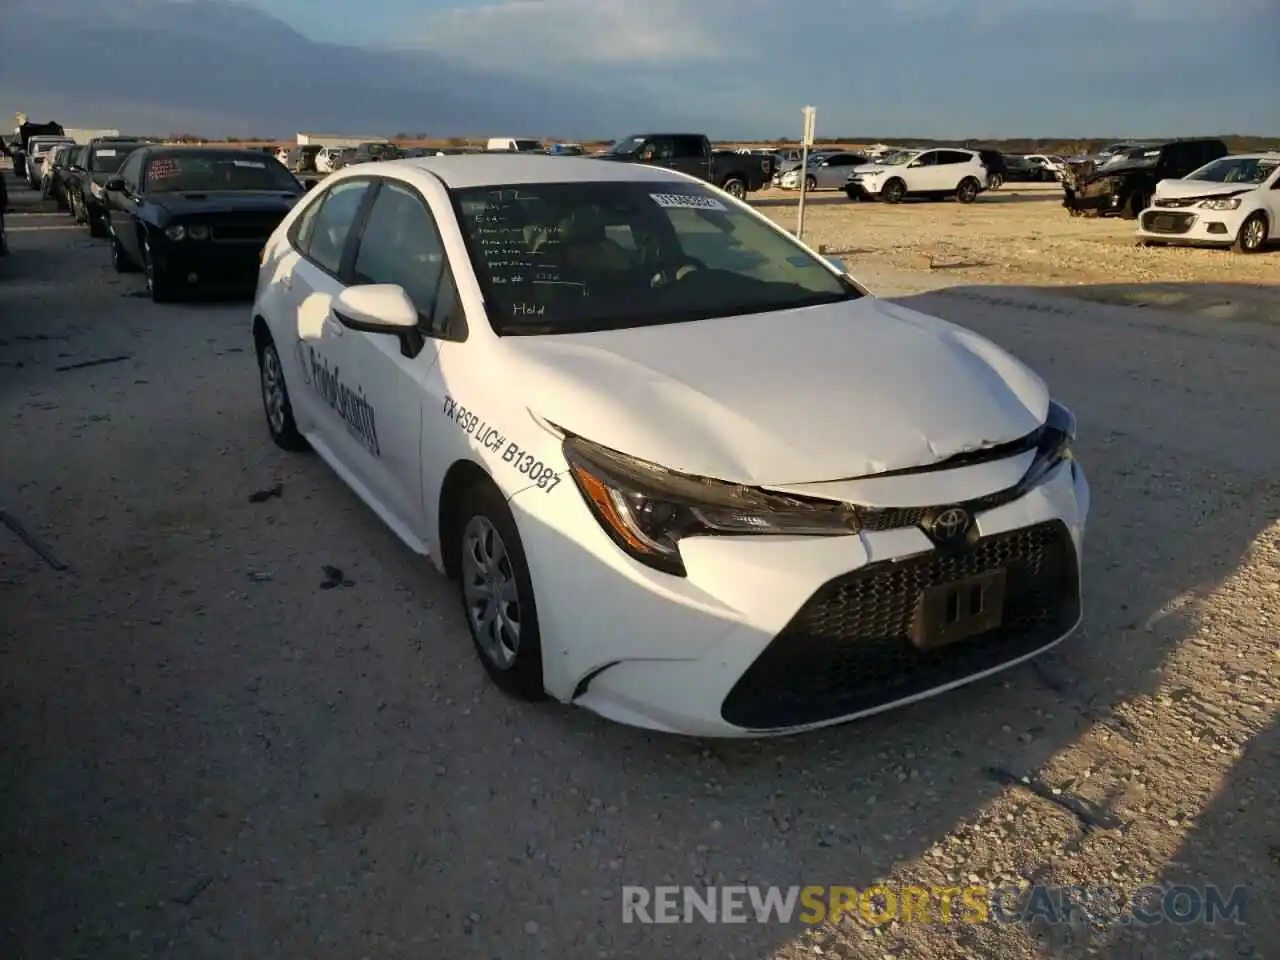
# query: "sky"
{"type": "Point", "coordinates": [942, 68]}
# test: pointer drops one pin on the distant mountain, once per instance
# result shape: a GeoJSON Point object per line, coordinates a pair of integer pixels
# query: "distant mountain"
{"type": "Point", "coordinates": [221, 68]}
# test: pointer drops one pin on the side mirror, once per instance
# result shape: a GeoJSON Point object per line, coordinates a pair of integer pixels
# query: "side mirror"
{"type": "Point", "coordinates": [381, 308]}
{"type": "Point", "coordinates": [114, 184]}
{"type": "Point", "coordinates": [839, 264]}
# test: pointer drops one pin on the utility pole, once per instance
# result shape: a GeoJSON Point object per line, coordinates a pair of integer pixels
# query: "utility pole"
{"type": "Point", "coordinates": [806, 141]}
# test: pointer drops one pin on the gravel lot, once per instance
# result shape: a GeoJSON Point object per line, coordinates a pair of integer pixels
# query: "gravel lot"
{"type": "Point", "coordinates": [207, 755]}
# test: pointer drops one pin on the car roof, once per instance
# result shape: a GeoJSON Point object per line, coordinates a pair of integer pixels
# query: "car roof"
{"type": "Point", "coordinates": [499, 169]}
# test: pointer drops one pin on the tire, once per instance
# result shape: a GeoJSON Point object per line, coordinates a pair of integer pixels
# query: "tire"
{"type": "Point", "coordinates": [96, 227]}
{"type": "Point", "coordinates": [968, 189]}
{"type": "Point", "coordinates": [1253, 235]}
{"type": "Point", "coordinates": [159, 284]}
{"type": "Point", "coordinates": [893, 191]}
{"type": "Point", "coordinates": [853, 195]}
{"type": "Point", "coordinates": [735, 187]}
{"type": "Point", "coordinates": [995, 181]}
{"type": "Point", "coordinates": [494, 576]}
{"type": "Point", "coordinates": [276, 406]}
{"type": "Point", "coordinates": [1133, 206]}
{"type": "Point", "coordinates": [120, 260]}
{"type": "Point", "coordinates": [810, 184]}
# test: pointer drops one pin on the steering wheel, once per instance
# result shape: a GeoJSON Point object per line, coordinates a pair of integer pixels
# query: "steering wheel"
{"type": "Point", "coordinates": [676, 271]}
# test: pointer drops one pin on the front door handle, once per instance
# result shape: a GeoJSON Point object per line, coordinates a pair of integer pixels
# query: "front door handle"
{"type": "Point", "coordinates": [287, 281]}
{"type": "Point", "coordinates": [333, 325]}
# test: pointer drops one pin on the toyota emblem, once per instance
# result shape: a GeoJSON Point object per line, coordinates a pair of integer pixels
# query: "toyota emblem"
{"type": "Point", "coordinates": [950, 525]}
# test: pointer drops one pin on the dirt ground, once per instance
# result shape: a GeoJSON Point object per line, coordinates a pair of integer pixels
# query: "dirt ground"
{"type": "Point", "coordinates": [1020, 234]}
{"type": "Point", "coordinates": [207, 755]}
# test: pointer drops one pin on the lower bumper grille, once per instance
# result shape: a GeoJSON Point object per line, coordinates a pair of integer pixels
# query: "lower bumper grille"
{"type": "Point", "coordinates": [848, 649]}
{"type": "Point", "coordinates": [1158, 222]}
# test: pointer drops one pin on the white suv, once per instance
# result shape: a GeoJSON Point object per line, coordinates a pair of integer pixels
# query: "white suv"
{"type": "Point", "coordinates": [938, 172]}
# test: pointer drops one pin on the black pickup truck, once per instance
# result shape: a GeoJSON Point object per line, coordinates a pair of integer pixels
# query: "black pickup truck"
{"type": "Point", "coordinates": [735, 173]}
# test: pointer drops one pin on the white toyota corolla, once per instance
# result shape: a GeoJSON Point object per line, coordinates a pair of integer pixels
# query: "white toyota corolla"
{"type": "Point", "coordinates": [687, 472]}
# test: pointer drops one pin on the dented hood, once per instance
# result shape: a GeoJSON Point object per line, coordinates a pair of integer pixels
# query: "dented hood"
{"type": "Point", "coordinates": [1200, 189]}
{"type": "Point", "coordinates": [800, 396]}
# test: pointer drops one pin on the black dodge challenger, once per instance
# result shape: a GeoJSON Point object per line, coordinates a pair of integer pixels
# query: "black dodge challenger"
{"type": "Point", "coordinates": [196, 218]}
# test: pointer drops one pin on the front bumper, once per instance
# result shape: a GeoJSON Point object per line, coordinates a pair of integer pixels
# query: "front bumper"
{"type": "Point", "coordinates": [206, 263]}
{"type": "Point", "coordinates": [777, 635]}
{"type": "Point", "coordinates": [1190, 225]}
{"type": "Point", "coordinates": [1104, 201]}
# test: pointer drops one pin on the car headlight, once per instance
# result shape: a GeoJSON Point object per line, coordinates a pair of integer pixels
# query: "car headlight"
{"type": "Point", "coordinates": [198, 232]}
{"type": "Point", "coordinates": [176, 232]}
{"type": "Point", "coordinates": [1055, 446]}
{"type": "Point", "coordinates": [647, 510]}
{"type": "Point", "coordinates": [1225, 203]}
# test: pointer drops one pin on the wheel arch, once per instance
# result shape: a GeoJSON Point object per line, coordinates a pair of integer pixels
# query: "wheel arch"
{"type": "Point", "coordinates": [462, 475]}
{"type": "Point", "coordinates": [261, 333]}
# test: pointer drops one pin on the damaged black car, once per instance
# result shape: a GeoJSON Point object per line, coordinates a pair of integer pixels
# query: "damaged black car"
{"type": "Point", "coordinates": [1124, 185]}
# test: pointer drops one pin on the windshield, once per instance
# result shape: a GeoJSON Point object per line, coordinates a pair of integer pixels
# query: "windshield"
{"type": "Point", "coordinates": [527, 145]}
{"type": "Point", "coordinates": [40, 149]}
{"type": "Point", "coordinates": [108, 159]}
{"type": "Point", "coordinates": [1237, 170]}
{"type": "Point", "coordinates": [624, 148]}
{"type": "Point", "coordinates": [576, 257]}
{"type": "Point", "coordinates": [896, 159]}
{"type": "Point", "coordinates": [197, 172]}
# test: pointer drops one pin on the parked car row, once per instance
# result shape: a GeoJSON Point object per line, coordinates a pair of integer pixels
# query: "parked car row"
{"type": "Point", "coordinates": [189, 219]}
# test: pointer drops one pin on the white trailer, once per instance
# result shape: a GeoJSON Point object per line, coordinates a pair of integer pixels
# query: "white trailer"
{"type": "Point", "coordinates": [334, 140]}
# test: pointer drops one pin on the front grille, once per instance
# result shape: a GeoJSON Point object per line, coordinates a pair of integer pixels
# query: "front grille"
{"type": "Point", "coordinates": [241, 232]}
{"type": "Point", "coordinates": [1173, 204]}
{"type": "Point", "coordinates": [877, 519]}
{"type": "Point", "coordinates": [848, 649]}
{"type": "Point", "coordinates": [1155, 222]}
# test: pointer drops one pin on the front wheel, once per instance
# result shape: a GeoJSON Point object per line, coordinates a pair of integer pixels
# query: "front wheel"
{"type": "Point", "coordinates": [497, 594]}
{"type": "Point", "coordinates": [1253, 234]}
{"type": "Point", "coordinates": [893, 191]}
{"type": "Point", "coordinates": [120, 261]}
{"type": "Point", "coordinates": [159, 282]}
{"type": "Point", "coordinates": [995, 182]}
{"type": "Point", "coordinates": [810, 184]}
{"type": "Point", "coordinates": [967, 191]}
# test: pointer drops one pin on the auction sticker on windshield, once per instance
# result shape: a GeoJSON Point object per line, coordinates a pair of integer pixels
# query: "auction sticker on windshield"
{"type": "Point", "coordinates": [687, 201]}
{"type": "Point", "coordinates": [106, 153]}
{"type": "Point", "coordinates": [256, 164]}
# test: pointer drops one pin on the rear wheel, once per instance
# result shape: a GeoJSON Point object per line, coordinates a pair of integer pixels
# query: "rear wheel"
{"type": "Point", "coordinates": [735, 187]}
{"type": "Point", "coordinates": [968, 189]}
{"type": "Point", "coordinates": [1253, 234]}
{"type": "Point", "coordinates": [275, 399]}
{"type": "Point", "coordinates": [497, 594]}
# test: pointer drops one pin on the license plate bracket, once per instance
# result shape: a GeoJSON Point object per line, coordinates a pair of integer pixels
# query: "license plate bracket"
{"type": "Point", "coordinates": [955, 611]}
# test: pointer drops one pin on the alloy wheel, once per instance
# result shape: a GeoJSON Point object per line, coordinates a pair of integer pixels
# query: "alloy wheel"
{"type": "Point", "coordinates": [490, 593]}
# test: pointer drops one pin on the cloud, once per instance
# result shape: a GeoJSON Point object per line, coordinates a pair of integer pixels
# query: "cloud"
{"type": "Point", "coordinates": [533, 35]}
